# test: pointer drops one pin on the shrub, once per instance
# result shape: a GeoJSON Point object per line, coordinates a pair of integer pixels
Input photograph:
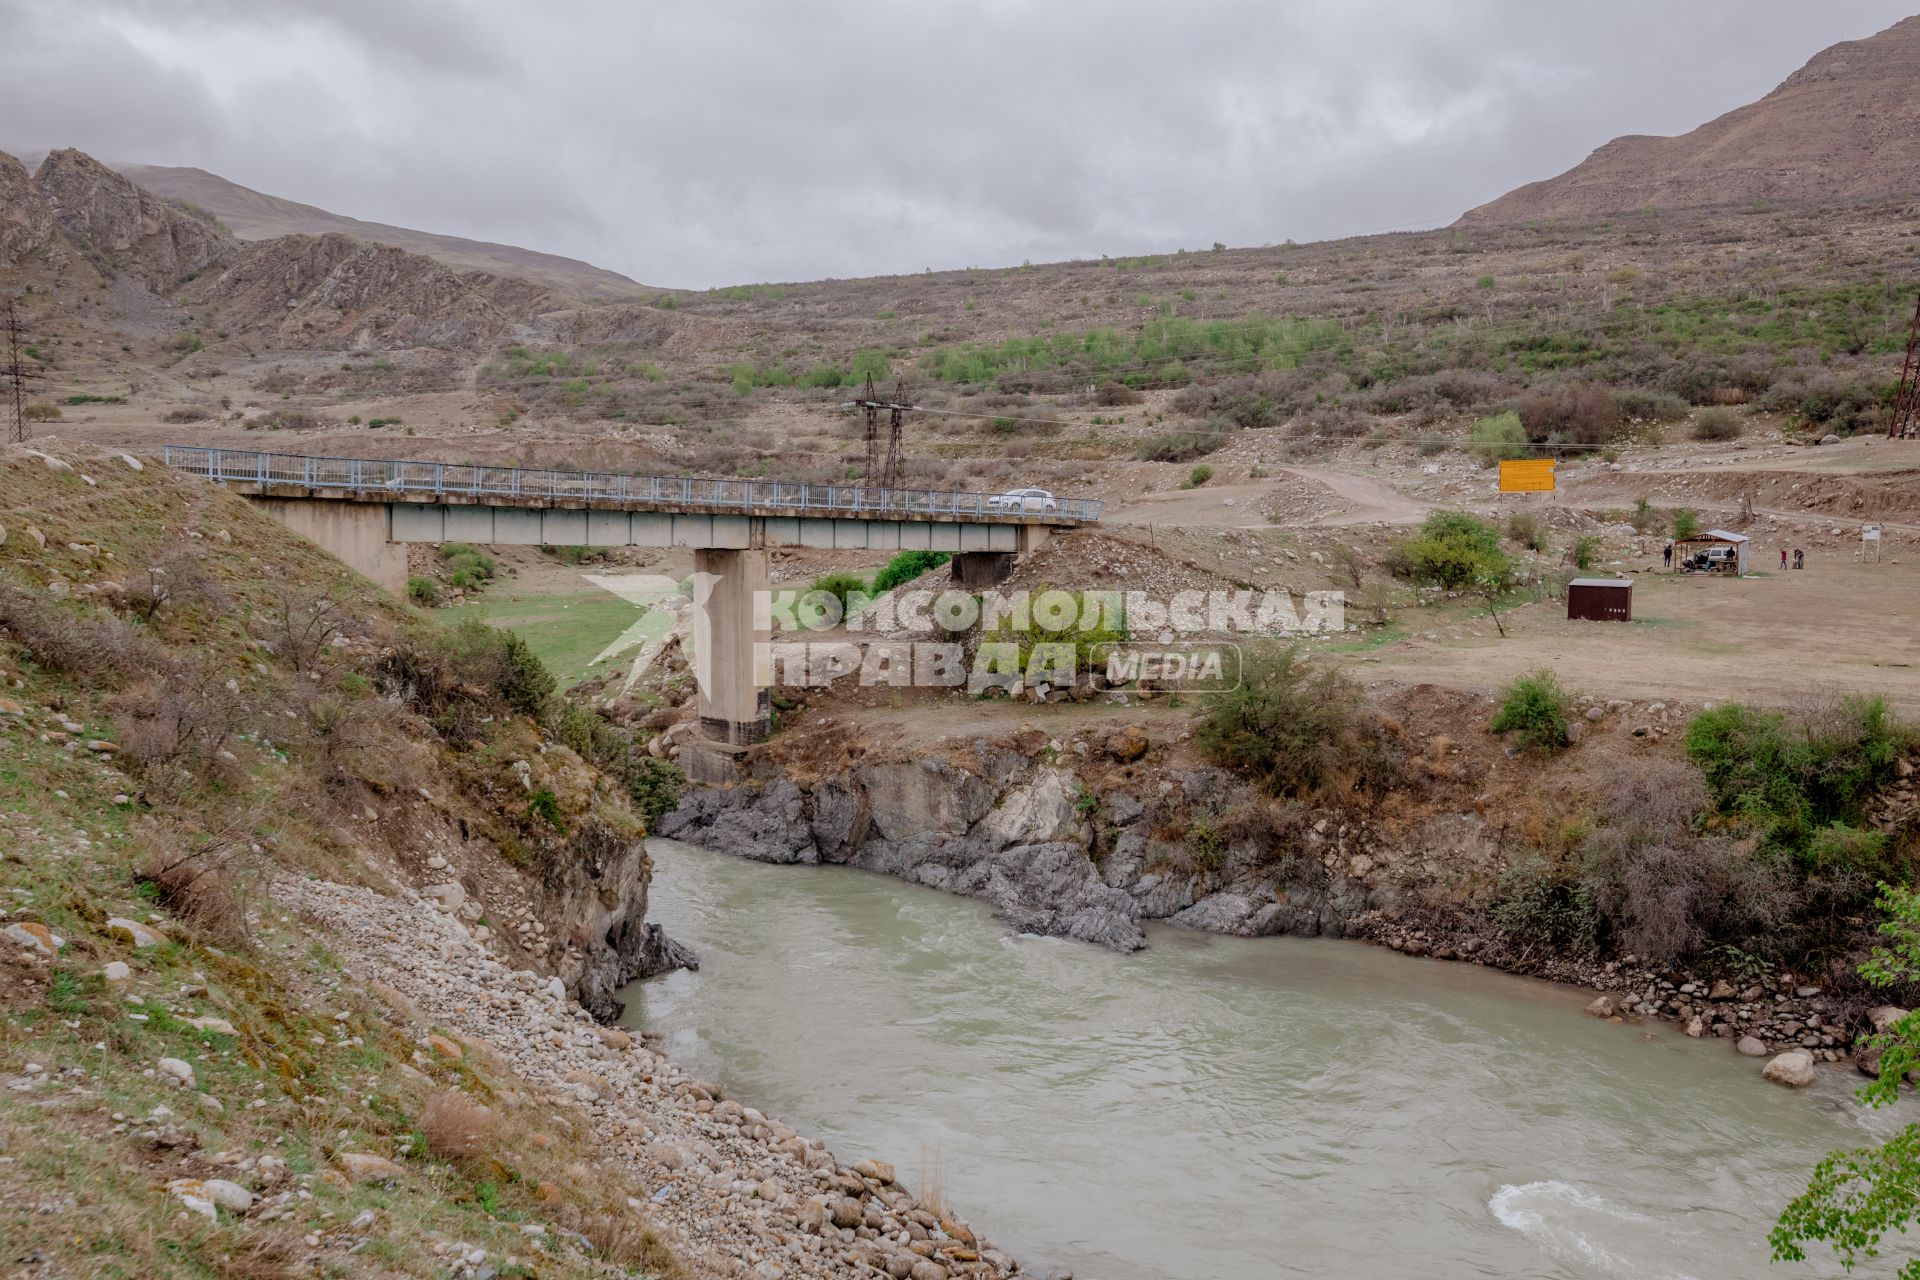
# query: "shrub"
{"type": "Point", "coordinates": [1179, 446]}
{"type": "Point", "coordinates": [1803, 783]}
{"type": "Point", "coordinates": [1454, 551]}
{"type": "Point", "coordinates": [104, 651]}
{"type": "Point", "coordinates": [1686, 523]}
{"type": "Point", "coordinates": [1641, 405]}
{"type": "Point", "coordinates": [1541, 903]}
{"type": "Point", "coordinates": [423, 591]}
{"type": "Point", "coordinates": [1498, 438]}
{"type": "Point", "coordinates": [1116, 393]}
{"type": "Point", "coordinates": [655, 786]}
{"type": "Point", "coordinates": [1199, 476]}
{"type": "Point", "coordinates": [1718, 424]}
{"type": "Point", "coordinates": [1586, 551]}
{"type": "Point", "coordinates": [190, 414]}
{"type": "Point", "coordinates": [470, 567]}
{"type": "Point", "coordinates": [1538, 709]}
{"type": "Point", "coordinates": [1525, 528]}
{"type": "Point", "coordinates": [1297, 727]}
{"type": "Point", "coordinates": [852, 590]}
{"type": "Point", "coordinates": [41, 411]}
{"type": "Point", "coordinates": [544, 806]}
{"type": "Point", "coordinates": [1573, 412]}
{"type": "Point", "coordinates": [905, 567]}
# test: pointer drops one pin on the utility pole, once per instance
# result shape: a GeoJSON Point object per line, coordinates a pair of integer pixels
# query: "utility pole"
{"type": "Point", "coordinates": [1906, 402]}
{"type": "Point", "coordinates": [17, 374]}
{"type": "Point", "coordinates": [882, 474]}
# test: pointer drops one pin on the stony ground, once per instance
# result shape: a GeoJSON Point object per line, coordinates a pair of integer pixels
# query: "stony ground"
{"type": "Point", "coordinates": [746, 1195]}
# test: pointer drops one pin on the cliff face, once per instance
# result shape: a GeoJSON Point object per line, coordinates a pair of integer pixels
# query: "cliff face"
{"type": "Point", "coordinates": [157, 242]}
{"type": "Point", "coordinates": [26, 220]}
{"type": "Point", "coordinates": [330, 290]}
{"type": "Point", "coordinates": [1845, 126]}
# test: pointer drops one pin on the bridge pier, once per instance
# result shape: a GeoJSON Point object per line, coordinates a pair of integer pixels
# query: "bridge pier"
{"type": "Point", "coordinates": [358, 535]}
{"type": "Point", "coordinates": [732, 627]}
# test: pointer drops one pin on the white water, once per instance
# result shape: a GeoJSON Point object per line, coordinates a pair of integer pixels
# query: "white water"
{"type": "Point", "coordinates": [1230, 1109]}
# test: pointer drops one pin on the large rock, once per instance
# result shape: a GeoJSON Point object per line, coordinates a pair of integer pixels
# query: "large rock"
{"type": "Point", "coordinates": [1043, 811]}
{"type": "Point", "coordinates": [1751, 1046]}
{"type": "Point", "coordinates": [1793, 1068]}
{"type": "Point", "coordinates": [153, 240]}
{"type": "Point", "coordinates": [765, 824]}
{"type": "Point", "coordinates": [911, 798]}
{"type": "Point", "coordinates": [1218, 913]}
{"type": "Point", "coordinates": [26, 220]}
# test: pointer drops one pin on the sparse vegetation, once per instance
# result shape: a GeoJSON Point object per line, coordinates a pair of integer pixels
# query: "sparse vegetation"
{"type": "Point", "coordinates": [1536, 710]}
{"type": "Point", "coordinates": [1298, 727]}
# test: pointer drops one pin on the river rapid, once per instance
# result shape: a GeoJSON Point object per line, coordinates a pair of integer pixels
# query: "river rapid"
{"type": "Point", "coordinates": [1224, 1108]}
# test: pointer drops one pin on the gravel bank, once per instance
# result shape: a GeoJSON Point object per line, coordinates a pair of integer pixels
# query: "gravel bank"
{"type": "Point", "coordinates": [744, 1194]}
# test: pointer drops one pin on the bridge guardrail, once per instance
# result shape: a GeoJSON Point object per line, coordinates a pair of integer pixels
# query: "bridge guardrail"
{"type": "Point", "coordinates": [472, 480]}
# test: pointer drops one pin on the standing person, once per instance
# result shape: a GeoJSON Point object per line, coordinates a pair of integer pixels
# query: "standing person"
{"type": "Point", "coordinates": [1783, 557]}
{"type": "Point", "coordinates": [1799, 558]}
{"type": "Point", "coordinates": [1668, 554]}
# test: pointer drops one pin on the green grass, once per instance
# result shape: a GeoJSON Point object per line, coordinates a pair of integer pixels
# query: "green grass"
{"type": "Point", "coordinates": [566, 631]}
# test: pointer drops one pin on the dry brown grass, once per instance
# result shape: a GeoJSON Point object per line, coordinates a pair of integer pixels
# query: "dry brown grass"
{"type": "Point", "coordinates": [457, 1128]}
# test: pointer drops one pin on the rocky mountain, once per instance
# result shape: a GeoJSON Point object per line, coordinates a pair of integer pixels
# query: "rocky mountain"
{"type": "Point", "coordinates": [330, 290]}
{"type": "Point", "coordinates": [254, 215]}
{"type": "Point", "coordinates": [1845, 126]}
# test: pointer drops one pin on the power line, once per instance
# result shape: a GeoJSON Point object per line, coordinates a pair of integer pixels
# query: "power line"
{"type": "Point", "coordinates": [1213, 185]}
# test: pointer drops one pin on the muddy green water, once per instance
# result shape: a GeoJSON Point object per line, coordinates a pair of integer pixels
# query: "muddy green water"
{"type": "Point", "coordinates": [1229, 1109]}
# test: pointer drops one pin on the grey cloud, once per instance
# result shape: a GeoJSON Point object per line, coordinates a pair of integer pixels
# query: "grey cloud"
{"type": "Point", "coordinates": [697, 143]}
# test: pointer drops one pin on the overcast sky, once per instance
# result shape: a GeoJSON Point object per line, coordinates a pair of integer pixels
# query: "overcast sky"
{"type": "Point", "coordinates": [701, 142]}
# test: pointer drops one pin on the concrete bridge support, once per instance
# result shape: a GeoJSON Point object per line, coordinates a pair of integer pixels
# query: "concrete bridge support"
{"type": "Point", "coordinates": [732, 627]}
{"type": "Point", "coordinates": [357, 534]}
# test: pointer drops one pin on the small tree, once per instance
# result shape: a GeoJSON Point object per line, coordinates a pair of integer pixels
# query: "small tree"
{"type": "Point", "coordinates": [1498, 438]}
{"type": "Point", "coordinates": [1855, 1198]}
{"type": "Point", "coordinates": [1686, 524]}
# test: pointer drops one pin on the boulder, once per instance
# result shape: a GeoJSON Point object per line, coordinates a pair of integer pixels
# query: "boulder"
{"type": "Point", "coordinates": [1885, 1016]}
{"type": "Point", "coordinates": [846, 1212]}
{"type": "Point", "coordinates": [1125, 745]}
{"type": "Point", "coordinates": [449, 897]}
{"type": "Point", "coordinates": [1601, 1007]}
{"type": "Point", "coordinates": [133, 932]}
{"type": "Point", "coordinates": [874, 1170]}
{"type": "Point", "coordinates": [176, 1069]}
{"type": "Point", "coordinates": [1793, 1068]}
{"type": "Point", "coordinates": [35, 937]}
{"type": "Point", "coordinates": [1751, 1046]}
{"type": "Point", "coordinates": [1217, 913]}
{"type": "Point", "coordinates": [116, 972]}
{"type": "Point", "coordinates": [1722, 990]}
{"type": "Point", "coordinates": [362, 1166]}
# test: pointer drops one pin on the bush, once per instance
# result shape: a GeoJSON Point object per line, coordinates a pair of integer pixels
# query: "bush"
{"type": "Point", "coordinates": [1641, 405]}
{"type": "Point", "coordinates": [192, 414]}
{"type": "Point", "coordinates": [905, 567]}
{"type": "Point", "coordinates": [1297, 727]}
{"type": "Point", "coordinates": [1116, 393]}
{"type": "Point", "coordinates": [655, 786]}
{"type": "Point", "coordinates": [1538, 709]}
{"type": "Point", "coordinates": [1686, 524]}
{"type": "Point", "coordinates": [852, 590]}
{"type": "Point", "coordinates": [1498, 438]}
{"type": "Point", "coordinates": [1454, 551]}
{"type": "Point", "coordinates": [1795, 781]}
{"type": "Point", "coordinates": [1525, 528]}
{"type": "Point", "coordinates": [1718, 424]}
{"type": "Point", "coordinates": [1199, 476]}
{"type": "Point", "coordinates": [1178, 446]}
{"type": "Point", "coordinates": [1540, 903]}
{"type": "Point", "coordinates": [470, 567]}
{"type": "Point", "coordinates": [1571, 412]}
{"type": "Point", "coordinates": [41, 411]}
{"type": "Point", "coordinates": [423, 591]}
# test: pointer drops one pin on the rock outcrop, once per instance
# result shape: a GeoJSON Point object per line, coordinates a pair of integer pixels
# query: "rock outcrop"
{"type": "Point", "coordinates": [155, 241]}
{"type": "Point", "coordinates": [26, 220]}
{"type": "Point", "coordinates": [1022, 834]}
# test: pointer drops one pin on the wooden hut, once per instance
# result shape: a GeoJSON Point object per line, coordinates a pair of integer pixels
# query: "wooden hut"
{"type": "Point", "coordinates": [1600, 599]}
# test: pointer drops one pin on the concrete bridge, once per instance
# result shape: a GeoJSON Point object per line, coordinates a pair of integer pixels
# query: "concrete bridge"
{"type": "Point", "coordinates": [366, 510]}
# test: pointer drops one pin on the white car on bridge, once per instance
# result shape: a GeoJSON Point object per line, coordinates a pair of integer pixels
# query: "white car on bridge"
{"type": "Point", "coordinates": [1023, 500]}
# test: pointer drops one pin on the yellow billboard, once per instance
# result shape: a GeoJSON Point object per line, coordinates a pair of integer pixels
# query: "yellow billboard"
{"type": "Point", "coordinates": [1528, 475]}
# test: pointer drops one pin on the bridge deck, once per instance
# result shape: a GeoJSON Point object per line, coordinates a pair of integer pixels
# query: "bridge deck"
{"type": "Point", "coordinates": [448, 483]}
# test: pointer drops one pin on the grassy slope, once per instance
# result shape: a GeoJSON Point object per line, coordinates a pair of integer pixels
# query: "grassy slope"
{"type": "Point", "coordinates": [299, 1067]}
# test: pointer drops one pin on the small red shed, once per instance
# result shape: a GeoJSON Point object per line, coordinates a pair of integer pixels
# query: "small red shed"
{"type": "Point", "coordinates": [1600, 599]}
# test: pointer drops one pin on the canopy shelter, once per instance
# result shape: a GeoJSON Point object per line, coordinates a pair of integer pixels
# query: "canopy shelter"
{"type": "Point", "coordinates": [1715, 551]}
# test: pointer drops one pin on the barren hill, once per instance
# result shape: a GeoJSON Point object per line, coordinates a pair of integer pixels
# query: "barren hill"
{"type": "Point", "coordinates": [254, 215]}
{"type": "Point", "coordinates": [1845, 126]}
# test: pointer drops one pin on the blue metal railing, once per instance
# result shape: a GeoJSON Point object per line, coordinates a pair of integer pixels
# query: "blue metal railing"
{"type": "Point", "coordinates": [431, 480]}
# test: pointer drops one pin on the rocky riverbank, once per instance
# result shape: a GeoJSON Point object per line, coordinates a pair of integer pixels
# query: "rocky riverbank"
{"type": "Point", "coordinates": [1079, 838]}
{"type": "Point", "coordinates": [743, 1194]}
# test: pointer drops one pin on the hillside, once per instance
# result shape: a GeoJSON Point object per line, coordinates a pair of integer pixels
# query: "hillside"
{"type": "Point", "coordinates": [254, 215]}
{"type": "Point", "coordinates": [1845, 126]}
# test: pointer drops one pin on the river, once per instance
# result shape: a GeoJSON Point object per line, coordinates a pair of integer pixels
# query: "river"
{"type": "Point", "coordinates": [1229, 1109]}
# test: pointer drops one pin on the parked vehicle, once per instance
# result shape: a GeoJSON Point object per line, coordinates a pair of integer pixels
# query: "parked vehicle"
{"type": "Point", "coordinates": [1023, 500]}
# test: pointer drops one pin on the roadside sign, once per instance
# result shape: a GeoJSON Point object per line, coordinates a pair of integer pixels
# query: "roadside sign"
{"type": "Point", "coordinates": [1869, 533]}
{"type": "Point", "coordinates": [1527, 475]}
